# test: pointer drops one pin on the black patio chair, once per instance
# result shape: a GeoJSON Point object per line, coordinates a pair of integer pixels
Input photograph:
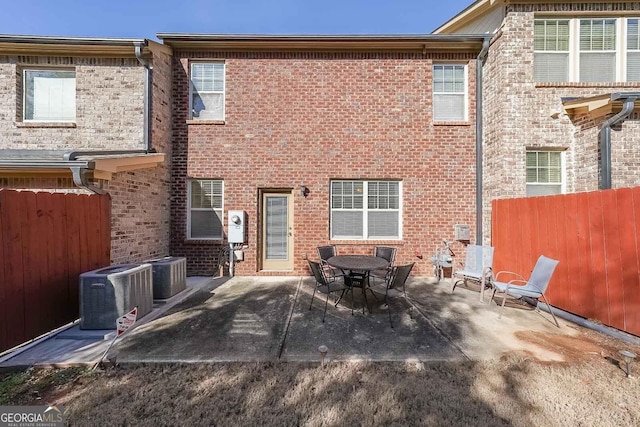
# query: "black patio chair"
{"type": "Point", "coordinates": [324, 253]}
{"type": "Point", "coordinates": [390, 255]}
{"type": "Point", "coordinates": [396, 280]}
{"type": "Point", "coordinates": [324, 285]}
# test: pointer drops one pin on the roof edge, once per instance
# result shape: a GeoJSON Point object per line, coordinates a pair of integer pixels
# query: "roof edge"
{"type": "Point", "coordinates": [75, 46]}
{"type": "Point", "coordinates": [468, 14]}
{"type": "Point", "coordinates": [406, 42]}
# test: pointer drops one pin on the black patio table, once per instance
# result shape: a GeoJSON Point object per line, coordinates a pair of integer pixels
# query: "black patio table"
{"type": "Point", "coordinates": [359, 263]}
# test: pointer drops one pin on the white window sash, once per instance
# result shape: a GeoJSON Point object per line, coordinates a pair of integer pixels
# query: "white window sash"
{"type": "Point", "coordinates": [621, 50]}
{"type": "Point", "coordinates": [205, 92]}
{"type": "Point", "coordinates": [562, 184]}
{"type": "Point", "coordinates": [465, 94]}
{"type": "Point", "coordinates": [216, 210]}
{"type": "Point", "coordinates": [365, 212]}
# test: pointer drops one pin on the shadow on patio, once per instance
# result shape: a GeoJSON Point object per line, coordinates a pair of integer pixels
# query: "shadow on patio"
{"type": "Point", "coordinates": [266, 319]}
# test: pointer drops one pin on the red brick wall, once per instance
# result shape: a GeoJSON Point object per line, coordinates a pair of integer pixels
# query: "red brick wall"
{"type": "Point", "coordinates": [295, 118]}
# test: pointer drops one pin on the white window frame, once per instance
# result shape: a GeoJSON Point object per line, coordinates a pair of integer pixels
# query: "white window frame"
{"type": "Point", "coordinates": [189, 210]}
{"type": "Point", "coordinates": [223, 92]}
{"type": "Point", "coordinates": [24, 95]}
{"type": "Point", "coordinates": [617, 51]}
{"type": "Point", "coordinates": [574, 45]}
{"type": "Point", "coordinates": [466, 91]}
{"type": "Point", "coordinates": [567, 52]}
{"type": "Point", "coordinates": [563, 170]}
{"type": "Point", "coordinates": [625, 48]}
{"type": "Point", "coordinates": [365, 210]}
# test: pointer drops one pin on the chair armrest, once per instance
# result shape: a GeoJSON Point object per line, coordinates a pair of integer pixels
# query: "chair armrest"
{"type": "Point", "coordinates": [510, 272]}
{"type": "Point", "coordinates": [524, 283]}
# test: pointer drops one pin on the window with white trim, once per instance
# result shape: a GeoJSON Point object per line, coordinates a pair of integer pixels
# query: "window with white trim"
{"type": "Point", "coordinates": [366, 210]}
{"type": "Point", "coordinates": [544, 172]}
{"type": "Point", "coordinates": [49, 95]}
{"type": "Point", "coordinates": [633, 50]}
{"type": "Point", "coordinates": [204, 213]}
{"type": "Point", "coordinates": [597, 50]}
{"type": "Point", "coordinates": [207, 90]}
{"type": "Point", "coordinates": [551, 47]}
{"type": "Point", "coordinates": [586, 50]}
{"type": "Point", "coordinates": [449, 93]}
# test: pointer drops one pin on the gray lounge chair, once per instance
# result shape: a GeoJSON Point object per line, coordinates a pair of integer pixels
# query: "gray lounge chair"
{"type": "Point", "coordinates": [535, 287]}
{"type": "Point", "coordinates": [477, 267]}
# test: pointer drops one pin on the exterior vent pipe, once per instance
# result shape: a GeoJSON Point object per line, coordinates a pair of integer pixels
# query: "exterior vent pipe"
{"type": "Point", "coordinates": [605, 137]}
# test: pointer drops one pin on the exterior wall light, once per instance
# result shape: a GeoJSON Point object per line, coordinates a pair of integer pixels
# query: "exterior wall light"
{"type": "Point", "coordinates": [304, 190]}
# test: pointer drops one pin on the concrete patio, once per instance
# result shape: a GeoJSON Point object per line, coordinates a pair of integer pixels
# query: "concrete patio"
{"type": "Point", "coordinates": [268, 319]}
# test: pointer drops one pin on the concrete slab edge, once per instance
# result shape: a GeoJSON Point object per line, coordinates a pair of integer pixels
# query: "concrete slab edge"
{"type": "Point", "coordinates": [30, 344]}
{"type": "Point", "coordinates": [598, 327]}
{"type": "Point", "coordinates": [288, 360]}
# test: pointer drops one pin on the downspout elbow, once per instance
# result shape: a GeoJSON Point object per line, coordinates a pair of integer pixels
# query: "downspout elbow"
{"type": "Point", "coordinates": [139, 46]}
{"type": "Point", "coordinates": [605, 140]}
{"type": "Point", "coordinates": [80, 180]}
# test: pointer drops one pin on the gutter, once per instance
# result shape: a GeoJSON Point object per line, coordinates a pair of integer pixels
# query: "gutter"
{"type": "Point", "coordinates": [482, 57]}
{"type": "Point", "coordinates": [147, 92]}
{"type": "Point", "coordinates": [12, 38]}
{"type": "Point", "coordinates": [605, 136]}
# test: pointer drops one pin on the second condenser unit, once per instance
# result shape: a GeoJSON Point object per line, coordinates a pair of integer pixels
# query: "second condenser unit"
{"type": "Point", "coordinates": [169, 276]}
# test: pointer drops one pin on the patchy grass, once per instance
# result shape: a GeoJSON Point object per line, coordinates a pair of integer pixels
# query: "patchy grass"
{"type": "Point", "coordinates": [515, 391]}
{"type": "Point", "coordinates": [29, 387]}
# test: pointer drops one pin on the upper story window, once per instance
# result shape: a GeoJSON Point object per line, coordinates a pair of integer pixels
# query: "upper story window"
{"type": "Point", "coordinates": [207, 90]}
{"type": "Point", "coordinates": [551, 44]}
{"type": "Point", "coordinates": [366, 209]}
{"type": "Point", "coordinates": [449, 93]}
{"type": "Point", "coordinates": [49, 95]}
{"type": "Point", "coordinates": [597, 50]}
{"type": "Point", "coordinates": [586, 50]}
{"type": "Point", "coordinates": [204, 213]}
{"type": "Point", "coordinates": [544, 172]}
{"type": "Point", "coordinates": [633, 50]}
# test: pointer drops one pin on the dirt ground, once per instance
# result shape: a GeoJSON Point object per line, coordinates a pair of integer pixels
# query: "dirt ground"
{"type": "Point", "coordinates": [588, 389]}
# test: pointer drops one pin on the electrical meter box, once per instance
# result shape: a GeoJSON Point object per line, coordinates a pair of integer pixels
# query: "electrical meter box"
{"type": "Point", "coordinates": [461, 232]}
{"type": "Point", "coordinates": [237, 227]}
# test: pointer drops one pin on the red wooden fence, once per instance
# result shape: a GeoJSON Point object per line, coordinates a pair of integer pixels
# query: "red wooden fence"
{"type": "Point", "coordinates": [596, 237]}
{"type": "Point", "coordinates": [46, 241]}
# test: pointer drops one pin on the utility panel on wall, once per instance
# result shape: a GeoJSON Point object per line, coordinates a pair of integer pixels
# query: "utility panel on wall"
{"type": "Point", "coordinates": [237, 226]}
{"type": "Point", "coordinates": [461, 232]}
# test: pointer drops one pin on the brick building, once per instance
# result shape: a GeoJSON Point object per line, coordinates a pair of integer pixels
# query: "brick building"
{"type": "Point", "coordinates": [85, 114]}
{"type": "Point", "coordinates": [551, 80]}
{"type": "Point", "coordinates": [352, 141]}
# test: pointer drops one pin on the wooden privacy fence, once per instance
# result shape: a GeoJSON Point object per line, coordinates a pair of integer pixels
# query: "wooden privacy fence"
{"type": "Point", "coordinates": [596, 237]}
{"type": "Point", "coordinates": [46, 241]}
